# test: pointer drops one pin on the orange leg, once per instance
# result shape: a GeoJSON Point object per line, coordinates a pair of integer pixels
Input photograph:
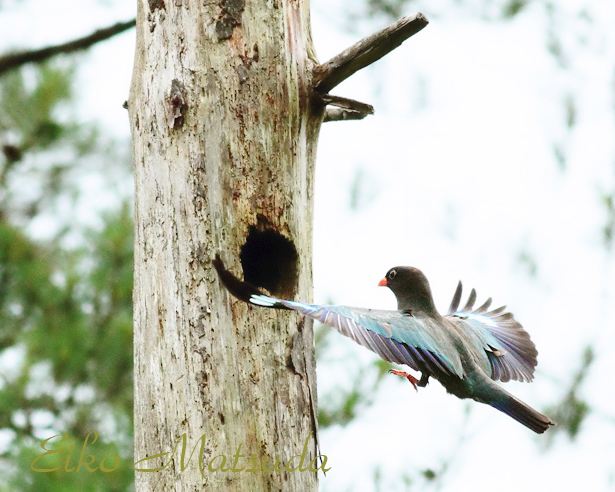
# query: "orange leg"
{"type": "Point", "coordinates": [409, 377]}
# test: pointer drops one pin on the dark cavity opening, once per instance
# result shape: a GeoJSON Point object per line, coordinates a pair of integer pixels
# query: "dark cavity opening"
{"type": "Point", "coordinates": [269, 260]}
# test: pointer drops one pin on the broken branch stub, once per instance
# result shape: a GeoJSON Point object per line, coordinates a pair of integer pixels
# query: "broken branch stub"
{"type": "Point", "coordinates": [339, 114]}
{"type": "Point", "coordinates": [349, 104]}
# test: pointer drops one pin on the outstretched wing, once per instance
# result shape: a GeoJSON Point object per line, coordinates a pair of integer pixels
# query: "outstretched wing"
{"type": "Point", "coordinates": [510, 351]}
{"type": "Point", "coordinates": [393, 335]}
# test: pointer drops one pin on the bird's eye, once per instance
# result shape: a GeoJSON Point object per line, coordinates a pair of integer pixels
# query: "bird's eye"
{"type": "Point", "coordinates": [392, 274]}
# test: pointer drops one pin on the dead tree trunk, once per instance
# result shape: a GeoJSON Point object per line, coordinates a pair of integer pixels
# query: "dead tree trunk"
{"type": "Point", "coordinates": [225, 107]}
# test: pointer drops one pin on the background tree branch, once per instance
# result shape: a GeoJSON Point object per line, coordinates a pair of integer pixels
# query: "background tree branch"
{"type": "Point", "coordinates": [16, 60]}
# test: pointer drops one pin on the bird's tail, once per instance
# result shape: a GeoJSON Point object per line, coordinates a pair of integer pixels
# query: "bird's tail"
{"type": "Point", "coordinates": [522, 413]}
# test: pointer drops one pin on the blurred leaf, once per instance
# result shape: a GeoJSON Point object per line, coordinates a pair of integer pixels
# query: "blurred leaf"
{"type": "Point", "coordinates": [609, 228]}
{"type": "Point", "coordinates": [571, 111]}
{"type": "Point", "coordinates": [430, 475]}
{"type": "Point", "coordinates": [529, 262]}
{"type": "Point", "coordinates": [560, 156]}
{"type": "Point", "coordinates": [31, 113]}
{"type": "Point", "coordinates": [341, 406]}
{"type": "Point", "coordinates": [393, 9]}
{"type": "Point", "coordinates": [513, 7]}
{"type": "Point", "coordinates": [572, 411]}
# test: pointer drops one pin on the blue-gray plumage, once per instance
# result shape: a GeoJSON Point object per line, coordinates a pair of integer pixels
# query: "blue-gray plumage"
{"type": "Point", "coordinates": [466, 350]}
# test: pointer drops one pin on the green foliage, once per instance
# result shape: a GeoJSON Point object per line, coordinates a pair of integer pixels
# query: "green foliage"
{"type": "Point", "coordinates": [571, 111]}
{"type": "Point", "coordinates": [560, 156]}
{"type": "Point", "coordinates": [608, 231]}
{"type": "Point", "coordinates": [69, 472]}
{"type": "Point", "coordinates": [30, 112]}
{"type": "Point", "coordinates": [389, 8]}
{"type": "Point", "coordinates": [513, 7]}
{"type": "Point", "coordinates": [40, 142]}
{"type": "Point", "coordinates": [572, 410]}
{"type": "Point", "coordinates": [72, 312]}
{"type": "Point", "coordinates": [341, 405]}
{"type": "Point", "coordinates": [65, 313]}
{"type": "Point", "coordinates": [527, 260]}
{"type": "Point", "coordinates": [429, 474]}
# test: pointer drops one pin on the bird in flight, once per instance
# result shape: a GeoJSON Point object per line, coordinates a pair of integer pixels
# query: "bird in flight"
{"type": "Point", "coordinates": [467, 350]}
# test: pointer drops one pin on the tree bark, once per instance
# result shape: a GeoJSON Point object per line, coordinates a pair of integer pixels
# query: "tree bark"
{"type": "Point", "coordinates": [225, 107]}
{"type": "Point", "coordinates": [224, 144]}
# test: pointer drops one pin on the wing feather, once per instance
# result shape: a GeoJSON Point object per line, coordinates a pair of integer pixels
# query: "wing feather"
{"type": "Point", "coordinates": [396, 337]}
{"type": "Point", "coordinates": [509, 349]}
{"type": "Point", "coordinates": [471, 301]}
{"type": "Point", "coordinates": [456, 300]}
{"type": "Point", "coordinates": [484, 307]}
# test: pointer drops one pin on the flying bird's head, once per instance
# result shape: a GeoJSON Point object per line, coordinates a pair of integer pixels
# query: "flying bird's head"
{"type": "Point", "coordinates": [411, 289]}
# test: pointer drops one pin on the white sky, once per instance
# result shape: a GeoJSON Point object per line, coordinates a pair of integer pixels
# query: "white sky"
{"type": "Point", "coordinates": [460, 178]}
{"type": "Point", "coordinates": [461, 183]}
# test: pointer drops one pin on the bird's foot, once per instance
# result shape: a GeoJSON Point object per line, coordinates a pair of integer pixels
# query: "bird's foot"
{"type": "Point", "coordinates": [409, 377]}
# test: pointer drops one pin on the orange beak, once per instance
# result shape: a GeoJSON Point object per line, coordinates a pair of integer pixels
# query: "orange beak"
{"type": "Point", "coordinates": [383, 283]}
